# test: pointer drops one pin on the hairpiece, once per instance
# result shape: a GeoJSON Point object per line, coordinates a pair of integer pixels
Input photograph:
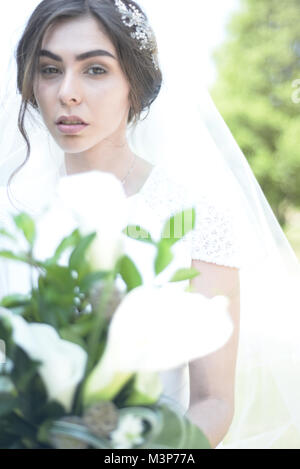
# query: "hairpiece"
{"type": "Point", "coordinates": [133, 18]}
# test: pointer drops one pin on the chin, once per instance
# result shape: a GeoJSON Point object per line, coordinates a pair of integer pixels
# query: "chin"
{"type": "Point", "coordinates": [71, 146]}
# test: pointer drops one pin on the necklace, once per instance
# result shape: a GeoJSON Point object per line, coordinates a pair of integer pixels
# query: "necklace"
{"type": "Point", "coordinates": [130, 169]}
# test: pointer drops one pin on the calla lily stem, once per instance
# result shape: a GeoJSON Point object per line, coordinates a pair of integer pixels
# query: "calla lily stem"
{"type": "Point", "coordinates": [97, 329]}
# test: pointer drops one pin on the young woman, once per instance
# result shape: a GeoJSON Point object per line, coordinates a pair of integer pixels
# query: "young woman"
{"type": "Point", "coordinates": [90, 69]}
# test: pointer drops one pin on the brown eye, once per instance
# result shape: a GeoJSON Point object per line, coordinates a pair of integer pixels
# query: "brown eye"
{"type": "Point", "coordinates": [44, 70]}
{"type": "Point", "coordinates": [49, 70]}
{"type": "Point", "coordinates": [100, 70]}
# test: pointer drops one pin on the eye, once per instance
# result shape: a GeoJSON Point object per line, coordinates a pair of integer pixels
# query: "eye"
{"type": "Point", "coordinates": [49, 70]}
{"type": "Point", "coordinates": [44, 70]}
{"type": "Point", "coordinates": [100, 69]}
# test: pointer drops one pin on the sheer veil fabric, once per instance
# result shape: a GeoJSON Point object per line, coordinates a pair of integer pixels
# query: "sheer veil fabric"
{"type": "Point", "coordinates": [185, 133]}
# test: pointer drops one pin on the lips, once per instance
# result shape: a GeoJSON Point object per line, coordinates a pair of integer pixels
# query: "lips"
{"type": "Point", "coordinates": [71, 120]}
{"type": "Point", "coordinates": [71, 129]}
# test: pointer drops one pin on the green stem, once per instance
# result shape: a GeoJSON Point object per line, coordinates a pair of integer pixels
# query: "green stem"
{"type": "Point", "coordinates": [99, 322]}
{"type": "Point", "coordinates": [31, 260]}
{"type": "Point", "coordinates": [96, 332]}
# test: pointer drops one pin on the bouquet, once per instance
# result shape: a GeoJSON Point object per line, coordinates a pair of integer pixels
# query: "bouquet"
{"type": "Point", "coordinates": [82, 357]}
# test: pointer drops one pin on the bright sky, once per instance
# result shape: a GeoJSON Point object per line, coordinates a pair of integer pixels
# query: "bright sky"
{"type": "Point", "coordinates": [218, 13]}
{"type": "Point", "coordinates": [207, 19]}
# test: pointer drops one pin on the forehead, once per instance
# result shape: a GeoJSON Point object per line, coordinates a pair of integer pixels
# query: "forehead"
{"type": "Point", "coordinates": [76, 35]}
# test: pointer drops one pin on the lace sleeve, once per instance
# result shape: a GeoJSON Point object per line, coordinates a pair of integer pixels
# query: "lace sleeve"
{"type": "Point", "coordinates": [214, 238]}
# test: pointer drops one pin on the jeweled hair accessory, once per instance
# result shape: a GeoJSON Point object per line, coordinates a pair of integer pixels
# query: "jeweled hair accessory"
{"type": "Point", "coordinates": [133, 18]}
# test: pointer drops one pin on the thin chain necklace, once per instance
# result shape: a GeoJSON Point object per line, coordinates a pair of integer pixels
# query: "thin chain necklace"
{"type": "Point", "coordinates": [130, 169]}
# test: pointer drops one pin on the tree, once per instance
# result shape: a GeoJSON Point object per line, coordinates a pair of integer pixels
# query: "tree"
{"type": "Point", "coordinates": [258, 94]}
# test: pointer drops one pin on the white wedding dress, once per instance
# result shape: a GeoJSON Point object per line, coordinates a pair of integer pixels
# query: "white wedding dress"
{"type": "Point", "coordinates": [213, 240]}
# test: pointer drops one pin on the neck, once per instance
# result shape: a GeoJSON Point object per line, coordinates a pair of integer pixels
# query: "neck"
{"type": "Point", "coordinates": [115, 158]}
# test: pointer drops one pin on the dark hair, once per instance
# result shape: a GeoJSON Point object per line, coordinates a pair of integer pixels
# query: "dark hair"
{"type": "Point", "coordinates": [144, 78]}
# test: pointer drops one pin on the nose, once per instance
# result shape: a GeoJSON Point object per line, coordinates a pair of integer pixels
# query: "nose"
{"type": "Point", "coordinates": [68, 92]}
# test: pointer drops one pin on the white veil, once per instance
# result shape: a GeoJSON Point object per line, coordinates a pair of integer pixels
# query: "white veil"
{"type": "Point", "coordinates": [185, 132]}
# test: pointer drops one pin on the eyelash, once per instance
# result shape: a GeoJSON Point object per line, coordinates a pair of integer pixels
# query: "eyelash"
{"type": "Point", "coordinates": [43, 70]}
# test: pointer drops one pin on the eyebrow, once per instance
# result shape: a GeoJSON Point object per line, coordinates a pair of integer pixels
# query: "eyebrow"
{"type": "Point", "coordinates": [80, 57]}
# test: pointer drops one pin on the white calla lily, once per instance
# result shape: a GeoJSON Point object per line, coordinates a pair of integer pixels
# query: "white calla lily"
{"type": "Point", "coordinates": [157, 329]}
{"type": "Point", "coordinates": [48, 238]}
{"type": "Point", "coordinates": [98, 203]}
{"type": "Point", "coordinates": [63, 362]}
{"type": "Point", "coordinates": [147, 388]}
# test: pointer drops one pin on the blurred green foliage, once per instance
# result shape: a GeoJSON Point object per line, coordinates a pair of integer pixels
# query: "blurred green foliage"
{"type": "Point", "coordinates": [258, 96]}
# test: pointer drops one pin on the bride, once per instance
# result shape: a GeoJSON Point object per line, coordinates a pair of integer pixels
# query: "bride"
{"type": "Point", "coordinates": [90, 70]}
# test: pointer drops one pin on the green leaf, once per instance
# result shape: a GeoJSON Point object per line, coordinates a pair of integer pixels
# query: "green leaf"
{"type": "Point", "coordinates": [163, 258]}
{"type": "Point", "coordinates": [138, 233]}
{"type": "Point", "coordinates": [8, 396]}
{"type": "Point", "coordinates": [26, 224]}
{"type": "Point", "coordinates": [71, 336]}
{"type": "Point", "coordinates": [129, 273]}
{"type": "Point", "coordinates": [53, 300]}
{"type": "Point", "coordinates": [5, 233]}
{"type": "Point", "coordinates": [13, 256]}
{"type": "Point", "coordinates": [51, 409]}
{"type": "Point", "coordinates": [90, 279]}
{"type": "Point", "coordinates": [77, 261]}
{"type": "Point", "coordinates": [6, 334]}
{"type": "Point", "coordinates": [21, 427]}
{"type": "Point", "coordinates": [24, 369]}
{"type": "Point", "coordinates": [60, 276]}
{"type": "Point", "coordinates": [82, 326]}
{"type": "Point", "coordinates": [178, 226]}
{"type": "Point", "coordinates": [185, 274]}
{"type": "Point", "coordinates": [8, 403]}
{"type": "Point", "coordinates": [8, 440]}
{"type": "Point", "coordinates": [177, 432]}
{"type": "Point", "coordinates": [12, 301]}
{"type": "Point", "coordinates": [6, 386]}
{"type": "Point", "coordinates": [70, 241]}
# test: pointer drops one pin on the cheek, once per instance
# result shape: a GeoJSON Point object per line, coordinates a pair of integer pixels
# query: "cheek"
{"type": "Point", "coordinates": [42, 94]}
{"type": "Point", "coordinates": [112, 97]}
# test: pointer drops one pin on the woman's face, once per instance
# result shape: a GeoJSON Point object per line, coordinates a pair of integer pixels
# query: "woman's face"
{"type": "Point", "coordinates": [94, 89]}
